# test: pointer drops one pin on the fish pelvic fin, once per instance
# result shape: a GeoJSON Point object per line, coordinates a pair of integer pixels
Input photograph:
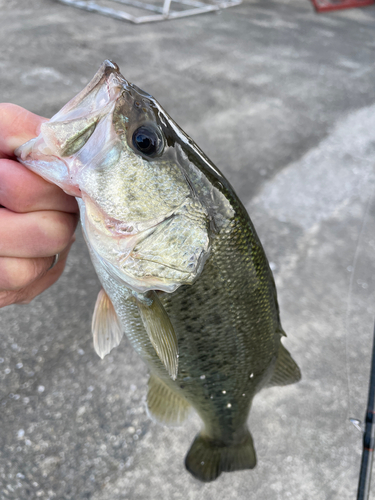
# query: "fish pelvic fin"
{"type": "Point", "coordinates": [286, 369]}
{"type": "Point", "coordinates": [208, 458]}
{"type": "Point", "coordinates": [164, 405]}
{"type": "Point", "coordinates": [106, 328]}
{"type": "Point", "coordinates": [160, 331]}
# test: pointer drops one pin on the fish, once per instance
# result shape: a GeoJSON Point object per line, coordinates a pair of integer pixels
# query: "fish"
{"type": "Point", "coordinates": [184, 275]}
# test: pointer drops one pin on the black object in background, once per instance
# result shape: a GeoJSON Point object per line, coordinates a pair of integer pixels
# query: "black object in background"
{"type": "Point", "coordinates": [368, 436]}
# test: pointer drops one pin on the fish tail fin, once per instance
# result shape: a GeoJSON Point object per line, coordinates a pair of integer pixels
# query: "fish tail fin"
{"type": "Point", "coordinates": [208, 458]}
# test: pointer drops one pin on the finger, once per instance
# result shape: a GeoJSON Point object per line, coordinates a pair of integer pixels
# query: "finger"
{"type": "Point", "coordinates": [17, 126]}
{"type": "Point", "coordinates": [35, 234]}
{"type": "Point", "coordinates": [29, 292]}
{"type": "Point", "coordinates": [23, 191]}
{"type": "Point", "coordinates": [16, 274]}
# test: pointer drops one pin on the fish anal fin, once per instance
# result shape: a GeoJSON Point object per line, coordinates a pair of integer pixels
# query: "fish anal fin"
{"type": "Point", "coordinates": [165, 405]}
{"type": "Point", "coordinates": [160, 331]}
{"type": "Point", "coordinates": [106, 328]}
{"type": "Point", "coordinates": [208, 458]}
{"type": "Point", "coordinates": [286, 369]}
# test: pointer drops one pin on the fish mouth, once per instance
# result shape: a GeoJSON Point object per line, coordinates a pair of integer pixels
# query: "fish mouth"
{"type": "Point", "coordinates": [51, 155]}
{"type": "Point", "coordinates": [81, 130]}
{"type": "Point", "coordinates": [104, 87]}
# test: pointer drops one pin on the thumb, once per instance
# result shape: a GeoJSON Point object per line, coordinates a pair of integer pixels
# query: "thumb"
{"type": "Point", "coordinates": [17, 126]}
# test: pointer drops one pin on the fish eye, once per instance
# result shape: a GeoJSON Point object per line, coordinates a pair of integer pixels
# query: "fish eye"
{"type": "Point", "coordinates": [147, 140]}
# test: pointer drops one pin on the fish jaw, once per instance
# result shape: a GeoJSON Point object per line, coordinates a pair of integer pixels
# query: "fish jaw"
{"type": "Point", "coordinates": [63, 146]}
{"type": "Point", "coordinates": [38, 158]}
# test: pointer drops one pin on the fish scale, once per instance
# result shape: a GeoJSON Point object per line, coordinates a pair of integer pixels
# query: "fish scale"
{"type": "Point", "coordinates": [225, 325]}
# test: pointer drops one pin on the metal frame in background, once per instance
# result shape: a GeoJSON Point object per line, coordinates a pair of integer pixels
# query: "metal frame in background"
{"type": "Point", "coordinates": [160, 13]}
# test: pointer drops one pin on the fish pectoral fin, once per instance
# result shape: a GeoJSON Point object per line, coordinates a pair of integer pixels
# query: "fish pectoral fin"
{"type": "Point", "coordinates": [165, 405]}
{"type": "Point", "coordinates": [106, 328]}
{"type": "Point", "coordinates": [160, 331]}
{"type": "Point", "coordinates": [208, 458]}
{"type": "Point", "coordinates": [286, 369]}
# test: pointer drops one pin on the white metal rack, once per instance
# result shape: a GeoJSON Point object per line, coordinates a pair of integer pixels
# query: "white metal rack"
{"type": "Point", "coordinates": [160, 13]}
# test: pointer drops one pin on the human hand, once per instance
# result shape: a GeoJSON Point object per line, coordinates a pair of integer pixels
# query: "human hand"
{"type": "Point", "coordinates": [37, 219]}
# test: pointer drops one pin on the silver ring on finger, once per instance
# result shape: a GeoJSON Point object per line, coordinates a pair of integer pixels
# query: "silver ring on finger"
{"type": "Point", "coordinates": [55, 261]}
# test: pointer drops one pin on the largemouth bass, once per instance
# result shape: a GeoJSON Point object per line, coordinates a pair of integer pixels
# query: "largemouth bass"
{"type": "Point", "coordinates": [184, 274]}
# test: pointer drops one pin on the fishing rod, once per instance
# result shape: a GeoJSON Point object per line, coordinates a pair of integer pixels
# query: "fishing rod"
{"type": "Point", "coordinates": [368, 436]}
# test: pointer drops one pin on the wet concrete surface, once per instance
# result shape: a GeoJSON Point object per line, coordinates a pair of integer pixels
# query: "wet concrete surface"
{"type": "Point", "coordinates": [283, 101]}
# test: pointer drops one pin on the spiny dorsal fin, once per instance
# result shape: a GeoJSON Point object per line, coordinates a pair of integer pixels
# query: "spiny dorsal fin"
{"type": "Point", "coordinates": [106, 328]}
{"type": "Point", "coordinates": [165, 405]}
{"type": "Point", "coordinates": [160, 331]}
{"type": "Point", "coordinates": [286, 370]}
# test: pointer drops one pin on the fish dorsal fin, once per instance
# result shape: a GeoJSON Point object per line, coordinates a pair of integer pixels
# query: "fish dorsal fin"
{"type": "Point", "coordinates": [160, 331]}
{"type": "Point", "coordinates": [286, 370]}
{"type": "Point", "coordinates": [106, 329]}
{"type": "Point", "coordinates": [165, 405]}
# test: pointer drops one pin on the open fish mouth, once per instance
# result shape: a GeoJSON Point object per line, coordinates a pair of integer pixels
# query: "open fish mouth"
{"type": "Point", "coordinates": [58, 153]}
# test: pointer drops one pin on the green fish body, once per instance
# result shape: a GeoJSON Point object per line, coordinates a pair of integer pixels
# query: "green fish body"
{"type": "Point", "coordinates": [184, 274]}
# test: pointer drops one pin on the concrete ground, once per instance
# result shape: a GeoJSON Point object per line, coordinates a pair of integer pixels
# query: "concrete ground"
{"type": "Point", "coordinates": [283, 101]}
